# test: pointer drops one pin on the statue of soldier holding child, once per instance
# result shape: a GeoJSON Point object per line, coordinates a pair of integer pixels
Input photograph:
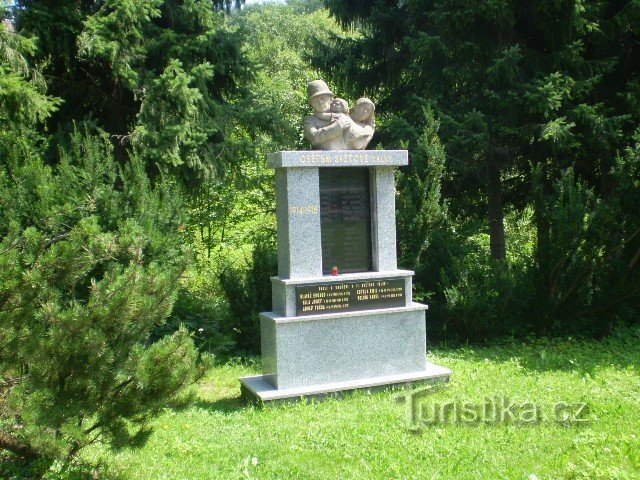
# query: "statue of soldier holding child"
{"type": "Point", "coordinates": [333, 126]}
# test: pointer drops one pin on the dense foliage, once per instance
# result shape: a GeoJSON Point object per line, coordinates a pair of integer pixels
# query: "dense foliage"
{"type": "Point", "coordinates": [87, 271]}
{"type": "Point", "coordinates": [537, 102]}
{"type": "Point", "coordinates": [278, 41]}
{"type": "Point", "coordinates": [157, 74]}
{"type": "Point", "coordinates": [91, 256]}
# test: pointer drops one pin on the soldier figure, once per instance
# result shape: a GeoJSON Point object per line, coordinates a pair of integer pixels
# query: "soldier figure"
{"type": "Point", "coordinates": [323, 129]}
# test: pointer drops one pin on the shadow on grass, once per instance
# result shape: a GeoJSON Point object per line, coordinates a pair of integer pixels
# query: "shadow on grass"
{"type": "Point", "coordinates": [17, 468]}
{"type": "Point", "coordinates": [227, 404]}
{"type": "Point", "coordinates": [620, 350]}
{"type": "Point", "coordinates": [223, 405]}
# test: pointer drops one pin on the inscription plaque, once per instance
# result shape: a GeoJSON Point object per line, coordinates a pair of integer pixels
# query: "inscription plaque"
{"type": "Point", "coordinates": [350, 296]}
{"type": "Point", "coordinates": [345, 219]}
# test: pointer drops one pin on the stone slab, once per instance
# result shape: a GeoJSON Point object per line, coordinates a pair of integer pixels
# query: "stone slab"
{"type": "Point", "coordinates": [299, 217]}
{"type": "Point", "coordinates": [384, 219]}
{"type": "Point", "coordinates": [258, 388]}
{"type": "Point", "coordinates": [343, 277]}
{"type": "Point", "coordinates": [338, 158]}
{"type": "Point", "coordinates": [283, 290]}
{"type": "Point", "coordinates": [347, 346]}
{"type": "Point", "coordinates": [345, 218]}
{"type": "Point", "coordinates": [298, 222]}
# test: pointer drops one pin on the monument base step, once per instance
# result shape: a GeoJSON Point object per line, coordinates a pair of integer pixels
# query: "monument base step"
{"type": "Point", "coordinates": [257, 388]}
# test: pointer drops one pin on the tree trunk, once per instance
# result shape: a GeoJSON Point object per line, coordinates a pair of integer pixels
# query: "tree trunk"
{"type": "Point", "coordinates": [542, 307]}
{"type": "Point", "coordinates": [9, 442]}
{"type": "Point", "coordinates": [496, 210]}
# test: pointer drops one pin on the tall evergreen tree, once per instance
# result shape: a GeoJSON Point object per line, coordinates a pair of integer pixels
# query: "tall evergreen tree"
{"type": "Point", "coordinates": [512, 82]}
{"type": "Point", "coordinates": [90, 258]}
{"type": "Point", "coordinates": [158, 75]}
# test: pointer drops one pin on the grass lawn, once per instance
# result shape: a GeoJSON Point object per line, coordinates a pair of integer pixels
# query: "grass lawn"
{"type": "Point", "coordinates": [368, 436]}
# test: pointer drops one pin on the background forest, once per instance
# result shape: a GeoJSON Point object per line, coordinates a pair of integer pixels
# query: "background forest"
{"type": "Point", "coordinates": [137, 228]}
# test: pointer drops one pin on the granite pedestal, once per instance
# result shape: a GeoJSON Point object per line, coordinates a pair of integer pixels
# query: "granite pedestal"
{"type": "Point", "coordinates": [334, 333]}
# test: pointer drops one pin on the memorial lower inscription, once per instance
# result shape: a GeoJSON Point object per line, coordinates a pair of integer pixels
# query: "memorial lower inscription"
{"type": "Point", "coordinates": [350, 296]}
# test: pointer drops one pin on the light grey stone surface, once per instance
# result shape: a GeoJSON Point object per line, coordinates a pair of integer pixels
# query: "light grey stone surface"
{"type": "Point", "coordinates": [344, 277]}
{"type": "Point", "coordinates": [384, 219]}
{"type": "Point", "coordinates": [268, 350]}
{"type": "Point", "coordinates": [283, 291]}
{"type": "Point", "coordinates": [298, 222]}
{"type": "Point", "coordinates": [343, 158]}
{"type": "Point", "coordinates": [340, 347]}
{"type": "Point", "coordinates": [258, 388]}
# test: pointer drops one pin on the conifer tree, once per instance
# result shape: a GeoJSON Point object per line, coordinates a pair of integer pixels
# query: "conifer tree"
{"type": "Point", "coordinates": [158, 75]}
{"type": "Point", "coordinates": [513, 83]}
{"type": "Point", "coordinates": [90, 257]}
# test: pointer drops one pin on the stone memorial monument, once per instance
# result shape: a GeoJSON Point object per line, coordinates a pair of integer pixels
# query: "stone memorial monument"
{"type": "Point", "coordinates": [343, 316]}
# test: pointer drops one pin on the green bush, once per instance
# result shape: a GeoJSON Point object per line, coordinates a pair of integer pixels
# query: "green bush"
{"type": "Point", "coordinates": [248, 292]}
{"type": "Point", "coordinates": [471, 296]}
{"type": "Point", "coordinates": [573, 255]}
{"type": "Point", "coordinates": [202, 314]}
{"type": "Point", "coordinates": [587, 269]}
{"type": "Point", "coordinates": [572, 265]}
{"type": "Point", "coordinates": [91, 255]}
{"type": "Point", "coordinates": [487, 299]}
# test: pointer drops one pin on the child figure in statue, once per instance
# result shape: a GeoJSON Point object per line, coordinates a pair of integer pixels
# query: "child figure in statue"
{"type": "Point", "coordinates": [361, 130]}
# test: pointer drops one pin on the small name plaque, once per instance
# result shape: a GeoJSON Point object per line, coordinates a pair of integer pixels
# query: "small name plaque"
{"type": "Point", "coordinates": [350, 296]}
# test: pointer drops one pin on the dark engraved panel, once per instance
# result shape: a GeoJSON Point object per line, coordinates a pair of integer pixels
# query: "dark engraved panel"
{"type": "Point", "coordinates": [345, 216]}
{"type": "Point", "coordinates": [350, 296]}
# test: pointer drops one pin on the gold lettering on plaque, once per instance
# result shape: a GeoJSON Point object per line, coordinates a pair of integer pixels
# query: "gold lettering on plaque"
{"type": "Point", "coordinates": [304, 210]}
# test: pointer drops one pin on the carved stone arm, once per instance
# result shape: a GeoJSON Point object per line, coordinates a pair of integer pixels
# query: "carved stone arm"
{"type": "Point", "coordinates": [358, 137]}
{"type": "Point", "coordinates": [319, 136]}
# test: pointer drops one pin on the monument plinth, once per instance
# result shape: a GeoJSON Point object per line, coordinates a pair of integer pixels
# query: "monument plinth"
{"type": "Point", "coordinates": [343, 315]}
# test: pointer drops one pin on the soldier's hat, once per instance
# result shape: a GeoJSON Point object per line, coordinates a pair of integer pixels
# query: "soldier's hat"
{"type": "Point", "coordinates": [318, 87]}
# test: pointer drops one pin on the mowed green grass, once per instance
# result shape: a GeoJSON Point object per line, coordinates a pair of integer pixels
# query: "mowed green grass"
{"type": "Point", "coordinates": [366, 435]}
